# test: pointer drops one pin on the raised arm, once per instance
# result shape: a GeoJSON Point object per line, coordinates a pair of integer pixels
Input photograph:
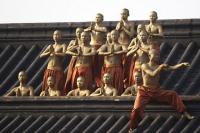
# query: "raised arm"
{"type": "Point", "coordinates": [103, 50]}
{"type": "Point", "coordinates": [130, 32]}
{"type": "Point", "coordinates": [123, 50]}
{"type": "Point", "coordinates": [46, 52]}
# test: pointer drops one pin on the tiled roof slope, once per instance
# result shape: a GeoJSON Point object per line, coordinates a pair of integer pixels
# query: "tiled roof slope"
{"type": "Point", "coordinates": [91, 115]}
{"type": "Point", "coordinates": [20, 45]}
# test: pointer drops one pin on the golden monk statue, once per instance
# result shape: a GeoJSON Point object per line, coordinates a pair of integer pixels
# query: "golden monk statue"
{"type": "Point", "coordinates": [81, 90]}
{"type": "Point", "coordinates": [72, 45]}
{"type": "Point", "coordinates": [98, 32]}
{"type": "Point", "coordinates": [84, 61]}
{"type": "Point", "coordinates": [51, 90]}
{"type": "Point", "coordinates": [151, 90]}
{"type": "Point", "coordinates": [107, 89]}
{"type": "Point", "coordinates": [132, 90]}
{"type": "Point", "coordinates": [23, 89]}
{"type": "Point", "coordinates": [125, 28]}
{"type": "Point", "coordinates": [55, 52]}
{"type": "Point", "coordinates": [139, 48]}
{"type": "Point", "coordinates": [113, 60]}
{"type": "Point", "coordinates": [153, 28]}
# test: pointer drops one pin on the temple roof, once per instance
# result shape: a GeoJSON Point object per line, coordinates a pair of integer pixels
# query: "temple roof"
{"type": "Point", "coordinates": [20, 45]}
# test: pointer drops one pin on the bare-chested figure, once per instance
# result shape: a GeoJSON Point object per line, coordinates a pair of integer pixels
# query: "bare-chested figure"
{"type": "Point", "coordinates": [151, 89]}
{"type": "Point", "coordinates": [98, 32]}
{"type": "Point", "coordinates": [73, 44]}
{"type": "Point", "coordinates": [81, 90]}
{"type": "Point", "coordinates": [55, 52]}
{"type": "Point", "coordinates": [132, 90]}
{"type": "Point", "coordinates": [113, 61]}
{"type": "Point", "coordinates": [125, 28]}
{"type": "Point", "coordinates": [23, 89]}
{"type": "Point", "coordinates": [153, 28]}
{"type": "Point", "coordinates": [51, 90]}
{"type": "Point", "coordinates": [139, 47]}
{"type": "Point", "coordinates": [107, 89]}
{"type": "Point", "coordinates": [84, 62]}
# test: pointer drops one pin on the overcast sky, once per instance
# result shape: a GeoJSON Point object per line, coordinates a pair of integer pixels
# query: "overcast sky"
{"type": "Point", "coordinates": [31, 11]}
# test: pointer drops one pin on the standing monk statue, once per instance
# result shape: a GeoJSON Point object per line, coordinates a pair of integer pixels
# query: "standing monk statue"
{"type": "Point", "coordinates": [151, 89]}
{"type": "Point", "coordinates": [107, 89]}
{"type": "Point", "coordinates": [56, 53]}
{"type": "Point", "coordinates": [113, 61]}
{"type": "Point", "coordinates": [98, 34]}
{"type": "Point", "coordinates": [23, 89]}
{"type": "Point", "coordinates": [125, 28]}
{"type": "Point", "coordinates": [72, 45]}
{"type": "Point", "coordinates": [139, 48]}
{"type": "Point", "coordinates": [154, 30]}
{"type": "Point", "coordinates": [84, 61]}
{"type": "Point", "coordinates": [51, 90]}
{"type": "Point", "coordinates": [81, 90]}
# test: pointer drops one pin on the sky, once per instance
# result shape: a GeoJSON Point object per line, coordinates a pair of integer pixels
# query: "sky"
{"type": "Point", "coordinates": [39, 11]}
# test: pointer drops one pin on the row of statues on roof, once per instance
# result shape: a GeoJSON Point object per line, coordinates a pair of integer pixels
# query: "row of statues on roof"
{"type": "Point", "coordinates": [119, 56]}
{"type": "Point", "coordinates": [110, 65]}
{"type": "Point", "coordinates": [94, 57]}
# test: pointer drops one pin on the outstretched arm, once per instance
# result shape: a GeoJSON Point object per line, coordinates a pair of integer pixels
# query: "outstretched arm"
{"type": "Point", "coordinates": [184, 64]}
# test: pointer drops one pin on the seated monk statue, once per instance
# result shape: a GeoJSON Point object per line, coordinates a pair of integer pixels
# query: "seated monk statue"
{"type": "Point", "coordinates": [132, 90]}
{"type": "Point", "coordinates": [151, 90]}
{"type": "Point", "coordinates": [23, 89]}
{"type": "Point", "coordinates": [107, 89]}
{"type": "Point", "coordinates": [51, 88]}
{"type": "Point", "coordinates": [80, 90]}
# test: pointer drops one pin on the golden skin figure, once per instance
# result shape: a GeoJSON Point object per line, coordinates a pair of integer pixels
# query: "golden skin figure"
{"type": "Point", "coordinates": [113, 60]}
{"type": "Point", "coordinates": [132, 90]}
{"type": "Point", "coordinates": [72, 45]}
{"type": "Point", "coordinates": [51, 90]}
{"type": "Point", "coordinates": [151, 73]}
{"type": "Point", "coordinates": [107, 89]}
{"type": "Point", "coordinates": [125, 28]}
{"type": "Point", "coordinates": [153, 28]}
{"type": "Point", "coordinates": [139, 48]}
{"type": "Point", "coordinates": [22, 89]}
{"type": "Point", "coordinates": [84, 61]}
{"type": "Point", "coordinates": [56, 53]}
{"type": "Point", "coordinates": [98, 31]}
{"type": "Point", "coordinates": [81, 90]}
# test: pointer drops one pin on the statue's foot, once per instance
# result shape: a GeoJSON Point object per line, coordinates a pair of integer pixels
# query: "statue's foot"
{"type": "Point", "coordinates": [130, 130]}
{"type": "Point", "coordinates": [188, 116]}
